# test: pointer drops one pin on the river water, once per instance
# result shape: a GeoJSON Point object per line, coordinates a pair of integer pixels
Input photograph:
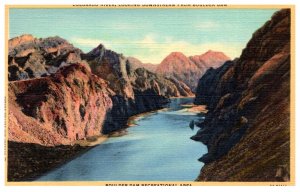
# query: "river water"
{"type": "Point", "coordinates": [157, 148]}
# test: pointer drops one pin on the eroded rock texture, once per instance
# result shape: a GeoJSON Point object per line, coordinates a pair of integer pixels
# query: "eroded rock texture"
{"type": "Point", "coordinates": [190, 69]}
{"type": "Point", "coordinates": [69, 105]}
{"type": "Point", "coordinates": [247, 128]}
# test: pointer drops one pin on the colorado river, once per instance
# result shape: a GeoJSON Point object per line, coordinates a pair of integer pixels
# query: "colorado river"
{"type": "Point", "coordinates": [157, 148]}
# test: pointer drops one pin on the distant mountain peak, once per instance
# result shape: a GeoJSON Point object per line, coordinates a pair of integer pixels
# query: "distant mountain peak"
{"type": "Point", "coordinates": [176, 54]}
{"type": "Point", "coordinates": [136, 63]}
{"type": "Point", "coordinates": [215, 53]}
{"type": "Point", "coordinates": [100, 46]}
{"type": "Point", "coordinates": [190, 69]}
{"type": "Point", "coordinates": [209, 51]}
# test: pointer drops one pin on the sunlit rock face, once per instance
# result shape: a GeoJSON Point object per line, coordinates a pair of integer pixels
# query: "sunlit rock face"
{"type": "Point", "coordinates": [31, 57]}
{"type": "Point", "coordinates": [66, 106]}
{"type": "Point", "coordinates": [190, 69]}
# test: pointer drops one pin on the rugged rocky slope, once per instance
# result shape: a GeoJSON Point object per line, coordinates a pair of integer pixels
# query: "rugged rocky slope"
{"type": "Point", "coordinates": [135, 63]}
{"type": "Point", "coordinates": [27, 161]}
{"type": "Point", "coordinates": [137, 91]}
{"type": "Point", "coordinates": [143, 80]}
{"type": "Point", "coordinates": [190, 69]}
{"type": "Point", "coordinates": [206, 92]}
{"type": "Point", "coordinates": [247, 128]}
{"type": "Point", "coordinates": [170, 86]}
{"type": "Point", "coordinates": [34, 60]}
{"type": "Point", "coordinates": [209, 59]}
{"type": "Point", "coordinates": [69, 105]}
{"type": "Point", "coordinates": [30, 57]}
{"type": "Point", "coordinates": [58, 95]}
{"type": "Point", "coordinates": [182, 69]}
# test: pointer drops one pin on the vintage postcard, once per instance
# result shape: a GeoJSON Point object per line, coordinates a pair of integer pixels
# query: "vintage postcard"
{"type": "Point", "coordinates": [150, 95]}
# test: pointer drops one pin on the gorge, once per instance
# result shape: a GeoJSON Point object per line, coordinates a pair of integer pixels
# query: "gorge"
{"type": "Point", "coordinates": [62, 100]}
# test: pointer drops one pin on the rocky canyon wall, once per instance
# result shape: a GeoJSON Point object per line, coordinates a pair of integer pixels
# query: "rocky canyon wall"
{"type": "Point", "coordinates": [247, 128]}
{"type": "Point", "coordinates": [58, 94]}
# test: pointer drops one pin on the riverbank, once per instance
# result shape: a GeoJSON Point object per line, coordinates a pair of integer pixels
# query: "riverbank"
{"type": "Point", "coordinates": [146, 153]}
{"type": "Point", "coordinates": [132, 119]}
{"type": "Point", "coordinates": [181, 97]}
{"type": "Point", "coordinates": [28, 161]}
{"type": "Point", "coordinates": [91, 141]}
{"type": "Point", "coordinates": [196, 108]}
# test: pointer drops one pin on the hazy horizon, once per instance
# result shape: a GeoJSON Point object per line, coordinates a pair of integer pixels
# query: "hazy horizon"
{"type": "Point", "coordinates": [146, 34]}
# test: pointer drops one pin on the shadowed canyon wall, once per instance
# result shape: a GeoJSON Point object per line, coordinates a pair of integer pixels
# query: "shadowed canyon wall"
{"type": "Point", "coordinates": [247, 128]}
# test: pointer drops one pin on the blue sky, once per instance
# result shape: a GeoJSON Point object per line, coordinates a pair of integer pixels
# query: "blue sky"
{"type": "Point", "coordinates": [147, 34]}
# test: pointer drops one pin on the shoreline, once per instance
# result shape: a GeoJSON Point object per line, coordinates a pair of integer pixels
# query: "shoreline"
{"type": "Point", "coordinates": [91, 141]}
{"type": "Point", "coordinates": [131, 120]}
{"type": "Point", "coordinates": [180, 97]}
{"type": "Point", "coordinates": [196, 108]}
{"type": "Point", "coordinates": [32, 155]}
{"type": "Point", "coordinates": [58, 155]}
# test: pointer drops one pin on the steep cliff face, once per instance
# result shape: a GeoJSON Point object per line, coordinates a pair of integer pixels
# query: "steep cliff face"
{"type": "Point", "coordinates": [30, 57]}
{"type": "Point", "coordinates": [209, 88]}
{"type": "Point", "coordinates": [137, 90]}
{"type": "Point", "coordinates": [142, 79]}
{"type": "Point", "coordinates": [145, 72]}
{"type": "Point", "coordinates": [69, 105]}
{"type": "Point", "coordinates": [110, 66]}
{"type": "Point", "coordinates": [190, 69]}
{"type": "Point", "coordinates": [113, 68]}
{"type": "Point", "coordinates": [247, 130]}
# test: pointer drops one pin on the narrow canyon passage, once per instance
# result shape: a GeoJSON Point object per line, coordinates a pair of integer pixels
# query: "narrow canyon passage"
{"type": "Point", "coordinates": [158, 148]}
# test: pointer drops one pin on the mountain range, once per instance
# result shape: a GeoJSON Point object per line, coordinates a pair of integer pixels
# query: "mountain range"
{"type": "Point", "coordinates": [186, 69]}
